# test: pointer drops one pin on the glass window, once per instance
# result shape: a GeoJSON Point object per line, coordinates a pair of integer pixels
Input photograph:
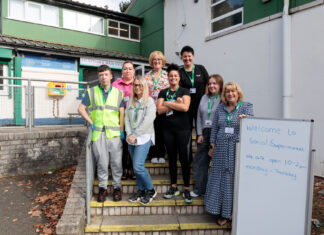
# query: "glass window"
{"type": "Point", "coordinates": [226, 14]}
{"type": "Point", "coordinates": [51, 15]}
{"type": "Point", "coordinates": [97, 25]}
{"type": "Point", "coordinates": [113, 28]}
{"type": "Point", "coordinates": [84, 22]}
{"type": "Point", "coordinates": [33, 12]}
{"type": "Point", "coordinates": [69, 19]}
{"type": "Point", "coordinates": [1, 74]}
{"type": "Point", "coordinates": [17, 9]}
{"type": "Point", "coordinates": [134, 32]}
{"type": "Point", "coordinates": [4, 73]}
{"type": "Point", "coordinates": [124, 30]}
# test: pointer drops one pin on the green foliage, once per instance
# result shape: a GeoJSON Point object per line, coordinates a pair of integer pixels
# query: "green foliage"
{"type": "Point", "coordinates": [124, 5]}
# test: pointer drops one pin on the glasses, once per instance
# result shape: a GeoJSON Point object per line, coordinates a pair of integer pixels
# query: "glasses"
{"type": "Point", "coordinates": [138, 85]}
{"type": "Point", "coordinates": [157, 60]}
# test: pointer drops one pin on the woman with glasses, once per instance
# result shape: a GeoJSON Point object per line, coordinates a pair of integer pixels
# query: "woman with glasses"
{"type": "Point", "coordinates": [139, 118]}
{"type": "Point", "coordinates": [157, 80]}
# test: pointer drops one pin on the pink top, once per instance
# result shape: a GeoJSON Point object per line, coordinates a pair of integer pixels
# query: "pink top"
{"type": "Point", "coordinates": [125, 88]}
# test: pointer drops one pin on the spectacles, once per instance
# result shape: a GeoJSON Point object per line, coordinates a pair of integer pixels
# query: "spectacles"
{"type": "Point", "coordinates": [138, 85]}
{"type": "Point", "coordinates": [157, 59]}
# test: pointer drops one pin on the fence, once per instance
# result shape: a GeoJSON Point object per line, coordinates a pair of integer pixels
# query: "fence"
{"type": "Point", "coordinates": [33, 102]}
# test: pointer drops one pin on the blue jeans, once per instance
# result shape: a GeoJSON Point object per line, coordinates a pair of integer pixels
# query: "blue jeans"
{"type": "Point", "coordinates": [201, 164]}
{"type": "Point", "coordinates": [138, 154]}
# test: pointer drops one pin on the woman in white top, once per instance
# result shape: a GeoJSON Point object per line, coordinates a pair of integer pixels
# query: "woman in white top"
{"type": "Point", "coordinates": [139, 117]}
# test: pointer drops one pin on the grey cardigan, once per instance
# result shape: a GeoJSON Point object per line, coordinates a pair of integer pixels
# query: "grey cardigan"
{"type": "Point", "coordinates": [145, 118]}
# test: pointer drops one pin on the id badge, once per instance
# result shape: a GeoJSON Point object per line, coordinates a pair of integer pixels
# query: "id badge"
{"type": "Point", "coordinates": [193, 90]}
{"type": "Point", "coordinates": [229, 130]}
{"type": "Point", "coordinates": [169, 113]}
{"type": "Point", "coordinates": [208, 122]}
{"type": "Point", "coordinates": [126, 98]}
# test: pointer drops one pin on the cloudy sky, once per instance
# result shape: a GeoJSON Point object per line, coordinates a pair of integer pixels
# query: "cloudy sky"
{"type": "Point", "coordinates": [112, 4]}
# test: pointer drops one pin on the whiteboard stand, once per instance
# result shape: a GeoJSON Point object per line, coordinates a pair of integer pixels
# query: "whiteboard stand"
{"type": "Point", "coordinates": [268, 198]}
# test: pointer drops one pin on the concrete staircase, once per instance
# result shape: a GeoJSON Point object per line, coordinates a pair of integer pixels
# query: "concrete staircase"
{"type": "Point", "coordinates": [160, 217]}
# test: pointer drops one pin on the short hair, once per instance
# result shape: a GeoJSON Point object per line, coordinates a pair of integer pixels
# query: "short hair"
{"type": "Point", "coordinates": [128, 62]}
{"type": "Point", "coordinates": [158, 54]}
{"type": "Point", "coordinates": [133, 97]}
{"type": "Point", "coordinates": [235, 86]}
{"type": "Point", "coordinates": [103, 68]}
{"type": "Point", "coordinates": [219, 80]}
{"type": "Point", "coordinates": [187, 49]}
{"type": "Point", "coordinates": [173, 67]}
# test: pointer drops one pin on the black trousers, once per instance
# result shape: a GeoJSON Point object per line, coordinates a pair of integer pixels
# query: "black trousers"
{"type": "Point", "coordinates": [158, 150]}
{"type": "Point", "coordinates": [126, 159]}
{"type": "Point", "coordinates": [178, 141]}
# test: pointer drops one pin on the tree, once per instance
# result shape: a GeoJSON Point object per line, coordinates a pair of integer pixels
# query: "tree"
{"type": "Point", "coordinates": [123, 5]}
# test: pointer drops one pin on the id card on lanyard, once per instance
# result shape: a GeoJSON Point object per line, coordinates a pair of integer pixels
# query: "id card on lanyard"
{"type": "Point", "coordinates": [171, 100]}
{"type": "Point", "coordinates": [192, 79]}
{"type": "Point", "coordinates": [230, 130]}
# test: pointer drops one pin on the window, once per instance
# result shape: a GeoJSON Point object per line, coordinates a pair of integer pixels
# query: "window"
{"type": "Point", "coordinates": [82, 22]}
{"type": "Point", "coordinates": [123, 30]}
{"type": "Point", "coordinates": [225, 14]}
{"type": "Point", "coordinates": [33, 12]}
{"type": "Point", "coordinates": [3, 82]}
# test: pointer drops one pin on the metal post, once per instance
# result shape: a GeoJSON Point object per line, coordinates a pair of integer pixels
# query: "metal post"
{"type": "Point", "coordinates": [29, 106]}
{"type": "Point", "coordinates": [26, 106]}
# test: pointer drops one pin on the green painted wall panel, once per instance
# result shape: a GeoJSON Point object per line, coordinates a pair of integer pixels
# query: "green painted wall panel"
{"type": "Point", "coordinates": [5, 53]}
{"type": "Point", "coordinates": [70, 37]}
{"type": "Point", "coordinates": [152, 28]}
{"type": "Point", "coordinates": [5, 8]}
{"type": "Point", "coordinates": [17, 92]}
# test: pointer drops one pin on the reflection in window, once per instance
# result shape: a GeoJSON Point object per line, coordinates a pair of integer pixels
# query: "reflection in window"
{"type": "Point", "coordinates": [123, 30]}
{"type": "Point", "coordinates": [113, 28]}
{"type": "Point", "coordinates": [226, 14]}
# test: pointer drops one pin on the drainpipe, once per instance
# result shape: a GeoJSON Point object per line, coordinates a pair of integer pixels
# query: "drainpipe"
{"type": "Point", "coordinates": [286, 81]}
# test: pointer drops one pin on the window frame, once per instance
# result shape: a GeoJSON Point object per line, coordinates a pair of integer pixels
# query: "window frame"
{"type": "Point", "coordinates": [76, 13]}
{"type": "Point", "coordinates": [5, 91]}
{"type": "Point", "coordinates": [129, 30]}
{"type": "Point", "coordinates": [241, 9]}
{"type": "Point", "coordinates": [25, 15]}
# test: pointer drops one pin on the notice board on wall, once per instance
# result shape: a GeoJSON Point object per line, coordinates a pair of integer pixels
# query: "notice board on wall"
{"type": "Point", "coordinates": [273, 178]}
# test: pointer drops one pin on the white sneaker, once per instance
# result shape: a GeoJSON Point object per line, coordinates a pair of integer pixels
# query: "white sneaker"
{"type": "Point", "coordinates": [193, 194]}
{"type": "Point", "coordinates": [155, 160]}
{"type": "Point", "coordinates": [161, 160]}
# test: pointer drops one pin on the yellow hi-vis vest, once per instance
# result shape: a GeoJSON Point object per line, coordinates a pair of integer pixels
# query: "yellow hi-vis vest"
{"type": "Point", "coordinates": [105, 115]}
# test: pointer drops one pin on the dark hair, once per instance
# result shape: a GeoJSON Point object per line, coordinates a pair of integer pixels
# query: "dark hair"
{"type": "Point", "coordinates": [187, 49]}
{"type": "Point", "coordinates": [103, 68]}
{"type": "Point", "coordinates": [219, 80]}
{"type": "Point", "coordinates": [173, 67]}
{"type": "Point", "coordinates": [128, 62]}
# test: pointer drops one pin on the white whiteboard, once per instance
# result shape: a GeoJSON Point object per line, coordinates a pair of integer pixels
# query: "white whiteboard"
{"type": "Point", "coordinates": [273, 178]}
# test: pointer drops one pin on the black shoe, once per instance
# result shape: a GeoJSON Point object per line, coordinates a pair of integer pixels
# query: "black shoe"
{"type": "Point", "coordinates": [173, 192]}
{"type": "Point", "coordinates": [117, 194]}
{"type": "Point", "coordinates": [102, 195]}
{"type": "Point", "coordinates": [186, 196]}
{"type": "Point", "coordinates": [124, 176]}
{"type": "Point", "coordinates": [148, 197]}
{"type": "Point", "coordinates": [137, 196]}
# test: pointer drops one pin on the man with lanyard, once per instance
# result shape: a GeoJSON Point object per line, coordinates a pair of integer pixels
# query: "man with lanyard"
{"type": "Point", "coordinates": [106, 119]}
{"type": "Point", "coordinates": [193, 77]}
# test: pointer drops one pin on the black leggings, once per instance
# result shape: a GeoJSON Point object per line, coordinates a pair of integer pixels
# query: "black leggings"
{"type": "Point", "coordinates": [158, 150]}
{"type": "Point", "coordinates": [178, 140]}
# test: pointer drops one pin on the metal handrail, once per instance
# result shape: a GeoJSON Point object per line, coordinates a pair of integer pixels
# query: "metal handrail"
{"type": "Point", "coordinates": [44, 80]}
{"type": "Point", "coordinates": [90, 171]}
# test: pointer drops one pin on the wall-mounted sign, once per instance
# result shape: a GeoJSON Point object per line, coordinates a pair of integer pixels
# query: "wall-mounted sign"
{"type": "Point", "coordinates": [47, 62]}
{"type": "Point", "coordinates": [114, 64]}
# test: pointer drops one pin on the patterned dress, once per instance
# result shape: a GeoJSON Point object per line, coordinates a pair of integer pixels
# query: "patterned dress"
{"type": "Point", "coordinates": [220, 186]}
{"type": "Point", "coordinates": [154, 89]}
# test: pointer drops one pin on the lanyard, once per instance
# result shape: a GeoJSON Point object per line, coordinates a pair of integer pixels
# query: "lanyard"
{"type": "Point", "coordinates": [136, 110]}
{"type": "Point", "coordinates": [229, 118]}
{"type": "Point", "coordinates": [167, 94]}
{"type": "Point", "coordinates": [102, 92]}
{"type": "Point", "coordinates": [192, 78]}
{"type": "Point", "coordinates": [210, 108]}
{"type": "Point", "coordinates": [155, 84]}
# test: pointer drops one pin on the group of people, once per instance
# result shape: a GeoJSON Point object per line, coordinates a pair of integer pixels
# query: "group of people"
{"type": "Point", "coordinates": [136, 117]}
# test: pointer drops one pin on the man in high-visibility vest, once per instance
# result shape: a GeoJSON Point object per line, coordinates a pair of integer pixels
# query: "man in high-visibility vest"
{"type": "Point", "coordinates": [106, 119]}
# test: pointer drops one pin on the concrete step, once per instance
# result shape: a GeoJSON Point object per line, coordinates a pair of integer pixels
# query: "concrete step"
{"type": "Point", "coordinates": [159, 206]}
{"type": "Point", "coordinates": [156, 224]}
{"type": "Point", "coordinates": [161, 184]}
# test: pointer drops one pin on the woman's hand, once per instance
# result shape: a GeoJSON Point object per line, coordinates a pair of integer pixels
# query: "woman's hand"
{"type": "Point", "coordinates": [200, 139]}
{"type": "Point", "coordinates": [211, 150]}
{"type": "Point", "coordinates": [131, 139]}
{"type": "Point", "coordinates": [179, 100]}
{"type": "Point", "coordinates": [242, 116]}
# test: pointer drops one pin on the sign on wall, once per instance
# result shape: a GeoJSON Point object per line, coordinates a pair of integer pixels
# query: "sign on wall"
{"type": "Point", "coordinates": [114, 64]}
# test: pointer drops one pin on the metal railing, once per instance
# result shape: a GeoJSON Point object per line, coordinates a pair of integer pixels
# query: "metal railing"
{"type": "Point", "coordinates": [34, 102]}
{"type": "Point", "coordinates": [90, 174]}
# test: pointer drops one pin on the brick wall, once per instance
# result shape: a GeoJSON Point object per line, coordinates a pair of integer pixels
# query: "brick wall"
{"type": "Point", "coordinates": [23, 153]}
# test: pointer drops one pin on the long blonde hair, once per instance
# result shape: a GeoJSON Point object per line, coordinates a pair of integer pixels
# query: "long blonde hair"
{"type": "Point", "coordinates": [145, 91]}
{"type": "Point", "coordinates": [234, 86]}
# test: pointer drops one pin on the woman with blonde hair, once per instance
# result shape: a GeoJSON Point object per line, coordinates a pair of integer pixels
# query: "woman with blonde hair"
{"type": "Point", "coordinates": [157, 80]}
{"type": "Point", "coordinates": [224, 136]}
{"type": "Point", "coordinates": [139, 117]}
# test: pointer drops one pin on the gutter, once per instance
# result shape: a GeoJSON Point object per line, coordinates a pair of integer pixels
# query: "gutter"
{"type": "Point", "coordinates": [286, 56]}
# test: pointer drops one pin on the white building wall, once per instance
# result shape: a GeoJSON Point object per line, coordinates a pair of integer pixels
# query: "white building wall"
{"type": "Point", "coordinates": [252, 57]}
